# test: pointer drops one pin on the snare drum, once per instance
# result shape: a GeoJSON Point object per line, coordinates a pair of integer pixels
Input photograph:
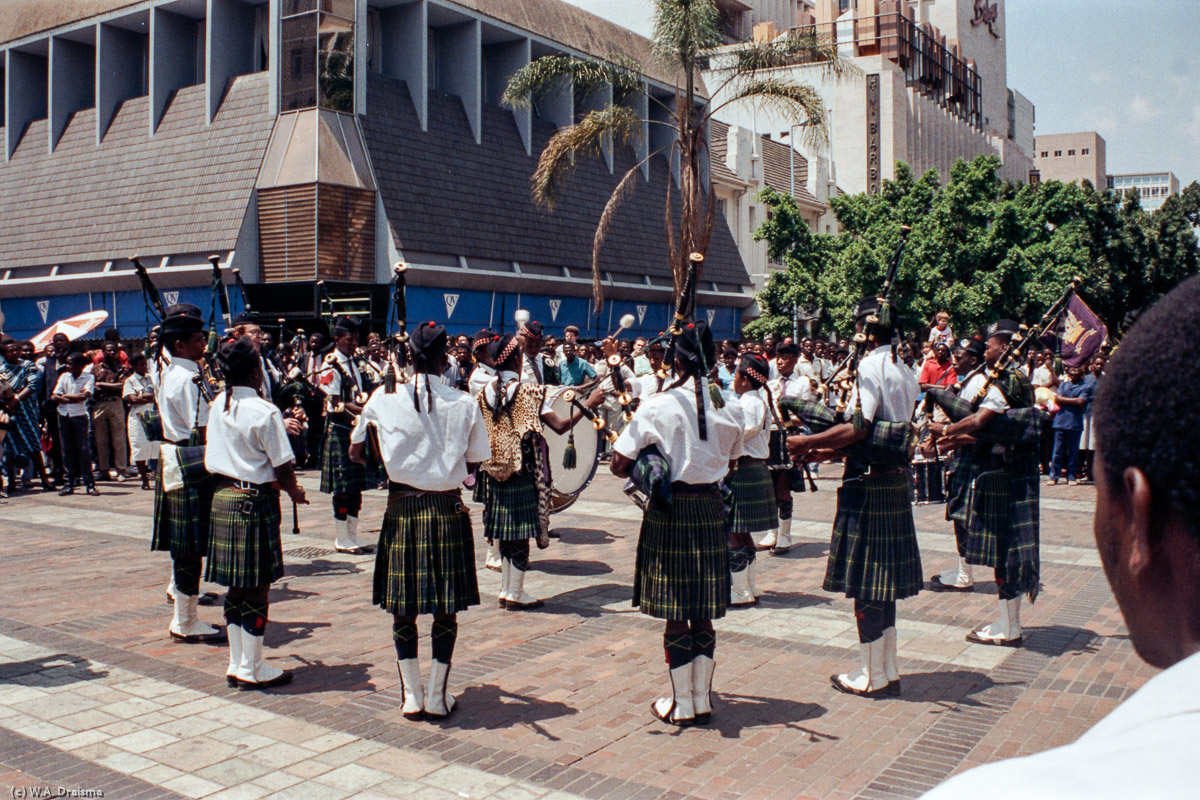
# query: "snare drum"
{"type": "Point", "coordinates": [928, 481]}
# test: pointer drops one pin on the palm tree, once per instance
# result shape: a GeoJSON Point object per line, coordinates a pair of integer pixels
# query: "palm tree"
{"type": "Point", "coordinates": [687, 35]}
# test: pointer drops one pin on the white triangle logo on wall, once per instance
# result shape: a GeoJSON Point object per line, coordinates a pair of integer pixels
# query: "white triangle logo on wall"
{"type": "Point", "coordinates": [712, 314]}
{"type": "Point", "coordinates": [642, 313]}
{"type": "Point", "coordinates": [44, 309]}
{"type": "Point", "coordinates": [555, 305]}
{"type": "Point", "coordinates": [171, 297]}
{"type": "Point", "coordinates": [451, 302]}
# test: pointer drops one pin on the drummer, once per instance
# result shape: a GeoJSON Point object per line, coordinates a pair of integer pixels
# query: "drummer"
{"type": "Point", "coordinates": [750, 481]}
{"type": "Point", "coordinates": [786, 384]}
{"type": "Point", "coordinates": [516, 479]}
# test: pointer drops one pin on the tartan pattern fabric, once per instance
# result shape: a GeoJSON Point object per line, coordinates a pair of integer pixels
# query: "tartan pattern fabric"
{"type": "Point", "coordinates": [338, 473]}
{"type": "Point", "coordinates": [151, 421]}
{"type": "Point", "coordinates": [887, 443]}
{"type": "Point", "coordinates": [754, 506]}
{"type": "Point", "coordinates": [510, 510]}
{"type": "Point", "coordinates": [244, 549]}
{"type": "Point", "coordinates": [682, 568]}
{"type": "Point", "coordinates": [988, 499]}
{"type": "Point", "coordinates": [181, 517]}
{"type": "Point", "coordinates": [873, 554]}
{"type": "Point", "coordinates": [651, 475]}
{"type": "Point", "coordinates": [1014, 426]}
{"type": "Point", "coordinates": [425, 562]}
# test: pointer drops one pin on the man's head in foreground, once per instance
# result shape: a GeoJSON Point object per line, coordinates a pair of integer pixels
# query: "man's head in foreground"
{"type": "Point", "coordinates": [1147, 523]}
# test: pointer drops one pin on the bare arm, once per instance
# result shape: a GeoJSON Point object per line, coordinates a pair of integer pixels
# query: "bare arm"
{"type": "Point", "coordinates": [286, 477]}
{"type": "Point", "coordinates": [620, 465]}
{"type": "Point", "coordinates": [969, 425]}
{"type": "Point", "coordinates": [834, 438]}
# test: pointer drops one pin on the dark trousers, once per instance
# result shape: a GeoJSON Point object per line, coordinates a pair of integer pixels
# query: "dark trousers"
{"type": "Point", "coordinates": [56, 459]}
{"type": "Point", "coordinates": [76, 433]}
{"type": "Point", "coordinates": [1066, 454]}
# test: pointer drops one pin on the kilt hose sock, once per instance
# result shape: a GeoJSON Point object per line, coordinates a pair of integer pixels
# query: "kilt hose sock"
{"type": "Point", "coordinates": [188, 570]}
{"type": "Point", "coordinates": [740, 557]}
{"type": "Point", "coordinates": [247, 607]}
{"type": "Point", "coordinates": [1005, 588]}
{"type": "Point", "coordinates": [873, 618]}
{"type": "Point", "coordinates": [404, 635]}
{"type": "Point", "coordinates": [443, 637]}
{"type": "Point", "coordinates": [346, 504]}
{"type": "Point", "coordinates": [516, 551]}
{"type": "Point", "coordinates": [704, 642]}
{"type": "Point", "coordinates": [960, 538]}
{"type": "Point", "coordinates": [786, 507]}
{"type": "Point", "coordinates": [678, 649]}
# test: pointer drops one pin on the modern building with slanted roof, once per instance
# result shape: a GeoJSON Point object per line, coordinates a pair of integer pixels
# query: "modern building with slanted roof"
{"type": "Point", "coordinates": [310, 144]}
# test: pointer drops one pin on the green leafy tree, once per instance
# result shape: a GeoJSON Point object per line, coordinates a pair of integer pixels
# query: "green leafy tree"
{"type": "Point", "coordinates": [980, 249]}
{"type": "Point", "coordinates": [687, 34]}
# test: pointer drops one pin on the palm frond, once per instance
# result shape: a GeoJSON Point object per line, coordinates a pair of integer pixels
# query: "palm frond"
{"type": "Point", "coordinates": [581, 140]}
{"type": "Point", "coordinates": [624, 188]}
{"type": "Point", "coordinates": [790, 100]}
{"type": "Point", "coordinates": [684, 30]}
{"type": "Point", "coordinates": [542, 76]}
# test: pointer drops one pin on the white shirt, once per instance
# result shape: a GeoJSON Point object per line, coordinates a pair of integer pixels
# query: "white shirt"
{"type": "Point", "coordinates": [756, 425]}
{"type": "Point", "coordinates": [1145, 748]}
{"type": "Point", "coordinates": [1041, 377]}
{"type": "Point", "coordinates": [798, 387]}
{"type": "Point", "coordinates": [331, 378]}
{"type": "Point", "coordinates": [889, 390]}
{"type": "Point", "coordinates": [946, 336]}
{"type": "Point", "coordinates": [646, 385]}
{"type": "Point", "coordinates": [68, 384]}
{"type": "Point", "coordinates": [179, 402]}
{"type": "Point", "coordinates": [668, 419]}
{"type": "Point", "coordinates": [993, 400]}
{"type": "Point", "coordinates": [248, 441]}
{"type": "Point", "coordinates": [806, 368]}
{"type": "Point", "coordinates": [511, 382]}
{"type": "Point", "coordinates": [138, 384]}
{"type": "Point", "coordinates": [531, 374]}
{"type": "Point", "coordinates": [479, 377]}
{"type": "Point", "coordinates": [427, 449]}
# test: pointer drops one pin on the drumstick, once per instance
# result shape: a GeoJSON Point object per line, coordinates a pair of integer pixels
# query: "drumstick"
{"type": "Point", "coordinates": [295, 519]}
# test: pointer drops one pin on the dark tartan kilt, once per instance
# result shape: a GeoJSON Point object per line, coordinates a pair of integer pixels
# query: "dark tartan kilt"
{"type": "Point", "coordinates": [338, 473]}
{"type": "Point", "coordinates": [244, 549]}
{"type": "Point", "coordinates": [181, 517]}
{"type": "Point", "coordinates": [754, 505]}
{"type": "Point", "coordinates": [510, 509]}
{"type": "Point", "coordinates": [874, 553]}
{"type": "Point", "coordinates": [425, 562]}
{"type": "Point", "coordinates": [988, 499]}
{"type": "Point", "coordinates": [1003, 521]}
{"type": "Point", "coordinates": [682, 569]}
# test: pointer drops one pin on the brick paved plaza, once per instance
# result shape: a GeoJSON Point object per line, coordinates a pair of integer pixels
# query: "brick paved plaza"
{"type": "Point", "coordinates": [552, 703]}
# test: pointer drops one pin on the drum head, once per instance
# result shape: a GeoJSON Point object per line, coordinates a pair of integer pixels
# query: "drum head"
{"type": "Point", "coordinates": [566, 484]}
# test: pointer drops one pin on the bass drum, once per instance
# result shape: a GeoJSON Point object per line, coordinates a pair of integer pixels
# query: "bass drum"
{"type": "Point", "coordinates": [567, 484]}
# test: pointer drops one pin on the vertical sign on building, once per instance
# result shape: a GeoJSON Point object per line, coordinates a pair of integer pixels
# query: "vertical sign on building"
{"type": "Point", "coordinates": [873, 173]}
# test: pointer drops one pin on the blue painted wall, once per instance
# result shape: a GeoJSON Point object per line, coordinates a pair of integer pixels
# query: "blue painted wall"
{"type": "Point", "coordinates": [461, 310]}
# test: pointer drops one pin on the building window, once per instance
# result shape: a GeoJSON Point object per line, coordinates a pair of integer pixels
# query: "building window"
{"type": "Point", "coordinates": [1045, 153]}
{"type": "Point", "coordinates": [1058, 153]}
{"type": "Point", "coordinates": [318, 46]}
{"type": "Point", "coordinates": [1084, 152]}
{"type": "Point", "coordinates": [1070, 152]}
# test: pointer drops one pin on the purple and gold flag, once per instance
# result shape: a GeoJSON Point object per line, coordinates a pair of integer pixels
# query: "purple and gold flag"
{"type": "Point", "coordinates": [1079, 333]}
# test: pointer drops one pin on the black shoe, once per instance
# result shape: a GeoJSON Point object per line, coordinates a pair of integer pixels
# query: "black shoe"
{"type": "Point", "coordinates": [883, 691]}
{"type": "Point", "coordinates": [936, 585]}
{"type": "Point", "coordinates": [249, 686]}
{"type": "Point", "coordinates": [92, 490]}
{"type": "Point", "coordinates": [66, 490]}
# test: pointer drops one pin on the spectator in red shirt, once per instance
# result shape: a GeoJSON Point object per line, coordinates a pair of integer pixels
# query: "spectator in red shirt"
{"type": "Point", "coordinates": [939, 370]}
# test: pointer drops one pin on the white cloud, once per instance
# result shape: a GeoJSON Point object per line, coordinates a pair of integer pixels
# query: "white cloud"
{"type": "Point", "coordinates": [1141, 109]}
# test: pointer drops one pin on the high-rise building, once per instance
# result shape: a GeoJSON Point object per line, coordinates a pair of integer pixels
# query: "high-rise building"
{"type": "Point", "coordinates": [1071, 157]}
{"type": "Point", "coordinates": [930, 88]}
{"type": "Point", "coordinates": [1153, 188]}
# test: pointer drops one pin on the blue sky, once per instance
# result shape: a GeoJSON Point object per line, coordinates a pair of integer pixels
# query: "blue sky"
{"type": "Point", "coordinates": [1129, 69]}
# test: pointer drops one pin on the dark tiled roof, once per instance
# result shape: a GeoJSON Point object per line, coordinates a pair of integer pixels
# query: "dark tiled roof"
{"type": "Point", "coordinates": [446, 194]}
{"type": "Point", "coordinates": [718, 137]}
{"type": "Point", "coordinates": [183, 190]}
{"type": "Point", "coordinates": [21, 18]}
{"type": "Point", "coordinates": [777, 167]}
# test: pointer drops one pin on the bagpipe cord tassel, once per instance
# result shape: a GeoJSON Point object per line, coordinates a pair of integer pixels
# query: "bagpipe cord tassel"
{"type": "Point", "coordinates": [570, 456]}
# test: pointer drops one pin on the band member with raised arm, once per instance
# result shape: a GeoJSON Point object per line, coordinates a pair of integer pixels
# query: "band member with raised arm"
{"type": "Point", "coordinates": [682, 571]}
{"type": "Point", "coordinates": [754, 506]}
{"type": "Point", "coordinates": [430, 436]}
{"type": "Point", "coordinates": [873, 556]}
{"type": "Point", "coordinates": [249, 456]}
{"type": "Point", "coordinates": [516, 477]}
{"type": "Point", "coordinates": [963, 468]}
{"type": "Point", "coordinates": [344, 385]}
{"type": "Point", "coordinates": [181, 505]}
{"type": "Point", "coordinates": [1001, 492]}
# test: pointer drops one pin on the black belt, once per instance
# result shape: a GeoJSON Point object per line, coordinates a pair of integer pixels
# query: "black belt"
{"type": "Point", "coordinates": [748, 461]}
{"type": "Point", "coordinates": [180, 443]}
{"type": "Point", "coordinates": [405, 490]}
{"type": "Point", "coordinates": [681, 489]}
